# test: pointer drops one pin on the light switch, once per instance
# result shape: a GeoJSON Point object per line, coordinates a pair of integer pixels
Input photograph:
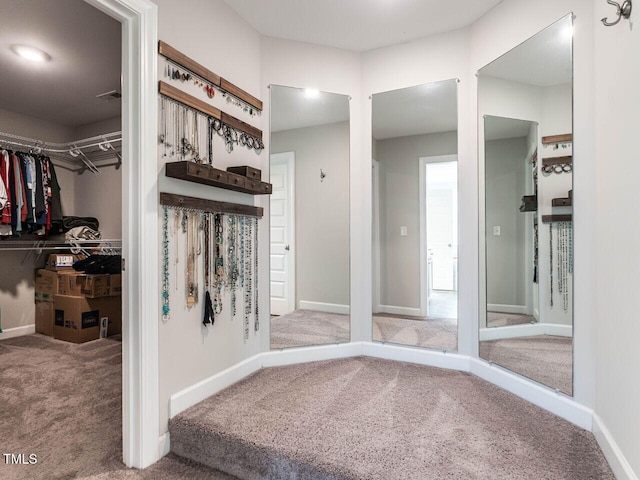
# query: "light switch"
{"type": "Point", "coordinates": [403, 231]}
{"type": "Point", "coordinates": [496, 230]}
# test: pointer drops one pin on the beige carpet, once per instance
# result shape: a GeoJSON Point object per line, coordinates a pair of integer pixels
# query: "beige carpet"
{"type": "Point", "coordinates": [544, 358]}
{"type": "Point", "coordinates": [302, 328]}
{"type": "Point", "coordinates": [62, 402]}
{"type": "Point", "coordinates": [429, 333]}
{"type": "Point", "coordinates": [374, 419]}
{"type": "Point", "coordinates": [308, 327]}
{"type": "Point", "coordinates": [501, 319]}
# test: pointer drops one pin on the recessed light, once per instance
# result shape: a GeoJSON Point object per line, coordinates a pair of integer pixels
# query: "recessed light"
{"type": "Point", "coordinates": [30, 53]}
{"type": "Point", "coordinates": [311, 93]}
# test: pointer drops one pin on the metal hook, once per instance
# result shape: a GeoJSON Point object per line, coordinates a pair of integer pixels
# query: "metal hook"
{"type": "Point", "coordinates": [623, 10]}
{"type": "Point", "coordinates": [322, 175]}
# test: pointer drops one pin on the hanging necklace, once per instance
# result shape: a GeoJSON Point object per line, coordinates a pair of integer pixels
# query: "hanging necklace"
{"type": "Point", "coordinates": [255, 256]}
{"type": "Point", "coordinates": [248, 291]}
{"type": "Point", "coordinates": [219, 261]}
{"type": "Point", "coordinates": [551, 262]}
{"type": "Point", "coordinates": [165, 265]}
{"type": "Point", "coordinates": [232, 261]}
{"type": "Point", "coordinates": [191, 256]}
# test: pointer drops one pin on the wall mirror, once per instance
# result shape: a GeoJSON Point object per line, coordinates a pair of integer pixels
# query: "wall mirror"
{"type": "Point", "coordinates": [415, 216]}
{"type": "Point", "coordinates": [526, 315]}
{"type": "Point", "coordinates": [309, 233]}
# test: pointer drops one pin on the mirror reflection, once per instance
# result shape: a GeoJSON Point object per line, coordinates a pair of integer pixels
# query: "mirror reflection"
{"type": "Point", "coordinates": [415, 216]}
{"type": "Point", "coordinates": [525, 97]}
{"type": "Point", "coordinates": [309, 208]}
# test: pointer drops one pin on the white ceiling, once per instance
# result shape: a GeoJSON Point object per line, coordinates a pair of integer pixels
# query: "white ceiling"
{"type": "Point", "coordinates": [84, 45]}
{"type": "Point", "coordinates": [358, 25]}
{"type": "Point", "coordinates": [500, 128]}
{"type": "Point", "coordinates": [429, 108]}
{"type": "Point", "coordinates": [544, 60]}
{"type": "Point", "coordinates": [292, 108]}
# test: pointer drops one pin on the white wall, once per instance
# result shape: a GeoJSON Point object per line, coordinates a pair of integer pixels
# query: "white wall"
{"type": "Point", "coordinates": [322, 210]}
{"type": "Point", "coordinates": [399, 199]}
{"type": "Point", "coordinates": [211, 33]}
{"type": "Point", "coordinates": [617, 76]}
{"type": "Point", "coordinates": [505, 169]}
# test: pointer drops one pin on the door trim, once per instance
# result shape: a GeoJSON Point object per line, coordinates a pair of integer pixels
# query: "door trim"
{"type": "Point", "coordinates": [375, 172]}
{"type": "Point", "coordinates": [424, 274]}
{"type": "Point", "coordinates": [140, 245]}
{"type": "Point", "coordinates": [288, 159]}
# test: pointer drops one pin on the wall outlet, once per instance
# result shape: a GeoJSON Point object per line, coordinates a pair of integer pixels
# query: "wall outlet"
{"type": "Point", "coordinates": [496, 230]}
{"type": "Point", "coordinates": [403, 231]}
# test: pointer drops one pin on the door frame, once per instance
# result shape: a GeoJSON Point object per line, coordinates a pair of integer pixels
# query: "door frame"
{"type": "Point", "coordinates": [141, 441]}
{"type": "Point", "coordinates": [424, 273]}
{"type": "Point", "coordinates": [288, 159]}
{"type": "Point", "coordinates": [375, 178]}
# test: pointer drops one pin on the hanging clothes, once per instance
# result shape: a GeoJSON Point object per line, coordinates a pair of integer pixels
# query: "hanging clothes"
{"type": "Point", "coordinates": [29, 194]}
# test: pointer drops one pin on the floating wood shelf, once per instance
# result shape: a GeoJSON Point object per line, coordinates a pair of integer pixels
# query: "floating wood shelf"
{"type": "Point", "coordinates": [557, 218]}
{"type": "Point", "coordinates": [173, 200]}
{"type": "Point", "coordinates": [567, 160]}
{"type": "Point", "coordinates": [562, 202]}
{"type": "Point", "coordinates": [194, 67]}
{"type": "Point", "coordinates": [209, 110]}
{"type": "Point", "coordinates": [565, 138]}
{"type": "Point", "coordinates": [208, 175]}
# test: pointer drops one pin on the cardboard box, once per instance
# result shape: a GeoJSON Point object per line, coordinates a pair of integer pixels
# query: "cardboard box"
{"type": "Point", "coordinates": [62, 261]}
{"type": "Point", "coordinates": [44, 317]}
{"type": "Point", "coordinates": [90, 286]}
{"type": "Point", "coordinates": [45, 285]}
{"type": "Point", "coordinates": [77, 319]}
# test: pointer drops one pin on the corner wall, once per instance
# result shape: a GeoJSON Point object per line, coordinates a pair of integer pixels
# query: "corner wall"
{"type": "Point", "coordinates": [617, 143]}
{"type": "Point", "coordinates": [211, 33]}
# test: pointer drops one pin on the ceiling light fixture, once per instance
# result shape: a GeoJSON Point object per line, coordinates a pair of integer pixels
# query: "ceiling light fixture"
{"type": "Point", "coordinates": [311, 93]}
{"type": "Point", "coordinates": [30, 53]}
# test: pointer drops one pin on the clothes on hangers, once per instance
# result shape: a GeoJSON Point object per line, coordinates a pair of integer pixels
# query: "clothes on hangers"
{"type": "Point", "coordinates": [29, 194]}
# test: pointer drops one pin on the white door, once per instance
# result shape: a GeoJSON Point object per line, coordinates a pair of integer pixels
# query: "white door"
{"type": "Point", "coordinates": [282, 234]}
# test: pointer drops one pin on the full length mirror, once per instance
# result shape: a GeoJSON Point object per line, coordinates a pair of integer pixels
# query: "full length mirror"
{"type": "Point", "coordinates": [415, 216]}
{"type": "Point", "coordinates": [309, 235]}
{"type": "Point", "coordinates": [525, 99]}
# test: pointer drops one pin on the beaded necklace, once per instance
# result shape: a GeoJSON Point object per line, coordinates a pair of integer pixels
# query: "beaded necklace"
{"type": "Point", "coordinates": [255, 255]}
{"type": "Point", "coordinates": [219, 262]}
{"type": "Point", "coordinates": [248, 291]}
{"type": "Point", "coordinates": [165, 265]}
{"type": "Point", "coordinates": [232, 261]}
{"type": "Point", "coordinates": [551, 263]}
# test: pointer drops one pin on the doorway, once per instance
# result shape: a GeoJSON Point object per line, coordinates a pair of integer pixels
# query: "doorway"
{"type": "Point", "coordinates": [439, 236]}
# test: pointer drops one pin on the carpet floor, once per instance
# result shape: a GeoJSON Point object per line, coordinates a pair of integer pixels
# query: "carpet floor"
{"type": "Point", "coordinates": [367, 418]}
{"type": "Point", "coordinates": [308, 327]}
{"type": "Point", "coordinates": [544, 358]}
{"type": "Point", "coordinates": [500, 319]}
{"type": "Point", "coordinates": [63, 403]}
{"type": "Point", "coordinates": [441, 334]}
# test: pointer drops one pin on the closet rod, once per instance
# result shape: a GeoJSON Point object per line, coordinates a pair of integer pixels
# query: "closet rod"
{"type": "Point", "coordinates": [52, 147]}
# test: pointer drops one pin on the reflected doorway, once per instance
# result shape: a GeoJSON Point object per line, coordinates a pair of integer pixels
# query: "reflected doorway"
{"type": "Point", "coordinates": [441, 236]}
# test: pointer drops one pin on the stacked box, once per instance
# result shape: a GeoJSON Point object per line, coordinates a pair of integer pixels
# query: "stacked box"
{"type": "Point", "coordinates": [78, 319]}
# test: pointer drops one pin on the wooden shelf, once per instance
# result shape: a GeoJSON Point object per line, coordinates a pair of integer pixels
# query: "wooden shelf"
{"type": "Point", "coordinates": [562, 202]}
{"type": "Point", "coordinates": [557, 218]}
{"type": "Point", "coordinates": [209, 110]}
{"type": "Point", "coordinates": [184, 61]}
{"type": "Point", "coordinates": [173, 200]}
{"type": "Point", "coordinates": [567, 160]}
{"type": "Point", "coordinates": [564, 138]}
{"type": "Point", "coordinates": [208, 175]}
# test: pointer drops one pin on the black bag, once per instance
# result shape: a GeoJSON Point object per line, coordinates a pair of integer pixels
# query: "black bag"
{"type": "Point", "coordinates": [71, 222]}
{"type": "Point", "coordinates": [96, 264]}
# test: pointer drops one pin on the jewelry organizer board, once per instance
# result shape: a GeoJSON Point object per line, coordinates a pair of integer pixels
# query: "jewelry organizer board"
{"type": "Point", "coordinates": [86, 194]}
{"type": "Point", "coordinates": [191, 352]}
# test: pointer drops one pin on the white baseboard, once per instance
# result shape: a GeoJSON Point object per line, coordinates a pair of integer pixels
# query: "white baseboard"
{"type": "Point", "coordinates": [617, 461]}
{"type": "Point", "coordinates": [516, 309]}
{"type": "Point", "coordinates": [324, 307]}
{"type": "Point", "coordinates": [291, 356]}
{"type": "Point", "coordinates": [197, 392]}
{"type": "Point", "coordinates": [164, 445]}
{"type": "Point", "coordinates": [545, 398]}
{"type": "Point", "coordinates": [412, 312]}
{"type": "Point", "coordinates": [17, 331]}
{"type": "Point", "coordinates": [525, 330]}
{"type": "Point", "coordinates": [421, 356]}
